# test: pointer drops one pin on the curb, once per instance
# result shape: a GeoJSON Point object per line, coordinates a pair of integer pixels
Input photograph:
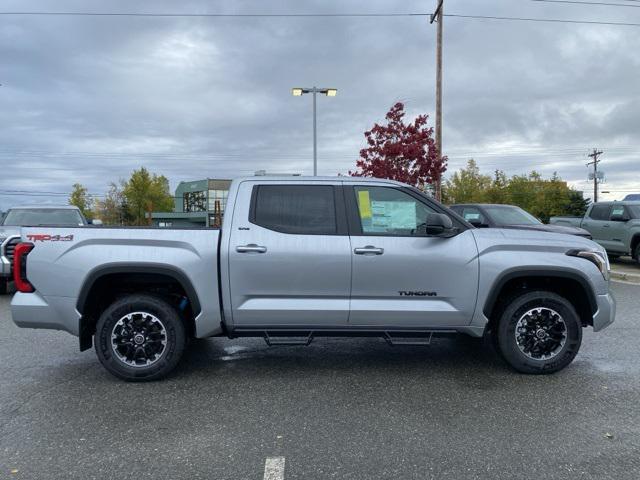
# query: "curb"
{"type": "Point", "coordinates": [625, 277]}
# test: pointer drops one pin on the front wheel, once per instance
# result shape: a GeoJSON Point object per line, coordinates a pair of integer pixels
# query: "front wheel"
{"type": "Point", "coordinates": [539, 332]}
{"type": "Point", "coordinates": [140, 338]}
{"type": "Point", "coordinates": [636, 254]}
{"type": "Point", "coordinates": [4, 286]}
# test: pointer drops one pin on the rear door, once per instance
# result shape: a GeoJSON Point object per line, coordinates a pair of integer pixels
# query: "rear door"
{"type": "Point", "coordinates": [290, 256]}
{"type": "Point", "coordinates": [597, 223]}
{"type": "Point", "coordinates": [402, 279]}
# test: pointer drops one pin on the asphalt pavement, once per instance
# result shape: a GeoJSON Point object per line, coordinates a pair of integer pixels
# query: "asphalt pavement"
{"type": "Point", "coordinates": [340, 408]}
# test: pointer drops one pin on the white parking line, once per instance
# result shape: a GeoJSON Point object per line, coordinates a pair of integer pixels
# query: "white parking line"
{"type": "Point", "coordinates": [274, 468]}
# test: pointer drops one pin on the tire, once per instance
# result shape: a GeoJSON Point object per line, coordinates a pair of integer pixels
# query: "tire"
{"type": "Point", "coordinates": [539, 350]}
{"type": "Point", "coordinates": [636, 254]}
{"type": "Point", "coordinates": [140, 324]}
{"type": "Point", "coordinates": [4, 286]}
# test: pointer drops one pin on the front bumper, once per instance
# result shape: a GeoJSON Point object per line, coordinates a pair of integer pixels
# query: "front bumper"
{"type": "Point", "coordinates": [33, 310]}
{"type": "Point", "coordinates": [606, 313]}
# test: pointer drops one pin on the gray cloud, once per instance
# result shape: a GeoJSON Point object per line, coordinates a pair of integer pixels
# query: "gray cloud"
{"type": "Point", "coordinates": [89, 99]}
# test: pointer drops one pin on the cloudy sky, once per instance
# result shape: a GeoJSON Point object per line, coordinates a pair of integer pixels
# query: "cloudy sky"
{"type": "Point", "coordinates": [89, 99]}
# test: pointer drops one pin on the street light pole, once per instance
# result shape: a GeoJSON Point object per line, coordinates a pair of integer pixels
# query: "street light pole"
{"type": "Point", "coordinates": [329, 92]}
{"type": "Point", "coordinates": [315, 134]}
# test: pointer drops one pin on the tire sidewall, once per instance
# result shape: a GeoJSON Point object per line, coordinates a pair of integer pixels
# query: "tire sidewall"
{"type": "Point", "coordinates": [137, 303]}
{"type": "Point", "coordinates": [507, 340]}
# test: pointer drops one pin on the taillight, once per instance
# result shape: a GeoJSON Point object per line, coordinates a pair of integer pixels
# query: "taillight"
{"type": "Point", "coordinates": [20, 267]}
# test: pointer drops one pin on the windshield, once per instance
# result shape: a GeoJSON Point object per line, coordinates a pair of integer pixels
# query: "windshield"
{"type": "Point", "coordinates": [43, 216]}
{"type": "Point", "coordinates": [508, 215]}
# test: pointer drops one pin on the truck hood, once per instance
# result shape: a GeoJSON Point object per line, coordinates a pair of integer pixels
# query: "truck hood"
{"type": "Point", "coordinates": [581, 232]}
{"type": "Point", "coordinates": [529, 240]}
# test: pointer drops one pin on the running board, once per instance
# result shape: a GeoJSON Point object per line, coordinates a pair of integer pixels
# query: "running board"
{"type": "Point", "coordinates": [305, 342]}
{"type": "Point", "coordinates": [394, 342]}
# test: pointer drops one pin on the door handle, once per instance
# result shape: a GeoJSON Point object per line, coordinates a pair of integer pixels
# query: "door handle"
{"type": "Point", "coordinates": [251, 248]}
{"type": "Point", "coordinates": [606, 225]}
{"type": "Point", "coordinates": [368, 250]}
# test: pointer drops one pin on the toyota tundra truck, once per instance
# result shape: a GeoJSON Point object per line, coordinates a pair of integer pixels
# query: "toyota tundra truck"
{"type": "Point", "coordinates": [614, 225]}
{"type": "Point", "coordinates": [299, 258]}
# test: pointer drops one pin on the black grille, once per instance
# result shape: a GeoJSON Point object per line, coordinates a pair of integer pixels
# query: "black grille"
{"type": "Point", "coordinates": [10, 247]}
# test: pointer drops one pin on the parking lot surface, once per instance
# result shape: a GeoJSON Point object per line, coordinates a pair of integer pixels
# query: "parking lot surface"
{"type": "Point", "coordinates": [340, 408]}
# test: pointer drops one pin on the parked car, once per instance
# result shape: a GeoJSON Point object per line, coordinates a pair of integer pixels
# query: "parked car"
{"type": "Point", "coordinates": [633, 197]}
{"type": "Point", "coordinates": [509, 216]}
{"type": "Point", "coordinates": [614, 225]}
{"type": "Point", "coordinates": [298, 258]}
{"type": "Point", "coordinates": [32, 215]}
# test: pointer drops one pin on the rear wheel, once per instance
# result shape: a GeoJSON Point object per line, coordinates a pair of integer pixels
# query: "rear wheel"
{"type": "Point", "coordinates": [539, 332]}
{"type": "Point", "coordinates": [4, 286]}
{"type": "Point", "coordinates": [140, 338]}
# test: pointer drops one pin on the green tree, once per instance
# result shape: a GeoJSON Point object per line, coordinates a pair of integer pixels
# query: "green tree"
{"type": "Point", "coordinates": [467, 185]}
{"type": "Point", "coordinates": [145, 192]}
{"type": "Point", "coordinates": [80, 198]}
{"type": "Point", "coordinates": [541, 197]}
{"type": "Point", "coordinates": [113, 209]}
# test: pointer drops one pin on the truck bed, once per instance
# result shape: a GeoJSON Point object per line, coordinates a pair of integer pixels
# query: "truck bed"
{"type": "Point", "coordinates": [190, 255]}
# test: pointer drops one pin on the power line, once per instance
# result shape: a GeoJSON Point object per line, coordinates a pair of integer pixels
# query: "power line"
{"type": "Point", "coordinates": [581, 2]}
{"type": "Point", "coordinates": [543, 20]}
{"type": "Point", "coordinates": [318, 15]}
{"type": "Point", "coordinates": [213, 15]}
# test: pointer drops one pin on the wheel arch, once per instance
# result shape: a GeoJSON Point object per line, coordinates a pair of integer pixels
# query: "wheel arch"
{"type": "Point", "coordinates": [97, 282]}
{"type": "Point", "coordinates": [635, 241]}
{"type": "Point", "coordinates": [575, 287]}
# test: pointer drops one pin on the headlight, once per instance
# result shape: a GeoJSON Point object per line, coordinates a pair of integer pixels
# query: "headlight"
{"type": "Point", "coordinates": [598, 257]}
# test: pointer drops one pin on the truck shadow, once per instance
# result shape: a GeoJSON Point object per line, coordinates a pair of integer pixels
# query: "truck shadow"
{"type": "Point", "coordinates": [338, 356]}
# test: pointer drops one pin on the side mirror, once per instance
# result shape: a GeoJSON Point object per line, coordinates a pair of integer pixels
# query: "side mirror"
{"type": "Point", "coordinates": [96, 222]}
{"type": "Point", "coordinates": [437, 224]}
{"type": "Point", "coordinates": [619, 217]}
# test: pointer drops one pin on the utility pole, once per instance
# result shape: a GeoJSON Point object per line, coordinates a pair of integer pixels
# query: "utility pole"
{"type": "Point", "coordinates": [439, 17]}
{"type": "Point", "coordinates": [596, 153]}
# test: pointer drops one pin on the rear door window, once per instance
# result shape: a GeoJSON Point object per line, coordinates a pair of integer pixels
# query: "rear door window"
{"type": "Point", "coordinates": [296, 209]}
{"type": "Point", "coordinates": [600, 212]}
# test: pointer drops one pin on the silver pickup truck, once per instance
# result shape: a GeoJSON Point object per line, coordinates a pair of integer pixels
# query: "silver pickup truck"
{"type": "Point", "coordinates": [299, 258]}
{"type": "Point", "coordinates": [614, 225]}
{"type": "Point", "coordinates": [16, 217]}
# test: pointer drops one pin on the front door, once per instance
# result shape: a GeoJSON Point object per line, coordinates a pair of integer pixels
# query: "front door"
{"type": "Point", "coordinates": [617, 234]}
{"type": "Point", "coordinates": [289, 256]}
{"type": "Point", "coordinates": [402, 278]}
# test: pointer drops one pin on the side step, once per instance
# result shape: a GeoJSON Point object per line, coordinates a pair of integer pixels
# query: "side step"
{"type": "Point", "coordinates": [394, 338]}
{"type": "Point", "coordinates": [395, 342]}
{"type": "Point", "coordinates": [305, 342]}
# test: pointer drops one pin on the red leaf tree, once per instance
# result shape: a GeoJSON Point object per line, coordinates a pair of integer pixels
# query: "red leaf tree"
{"type": "Point", "coordinates": [399, 151]}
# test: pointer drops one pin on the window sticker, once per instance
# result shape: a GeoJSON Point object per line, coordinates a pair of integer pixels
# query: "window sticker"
{"type": "Point", "coordinates": [364, 204]}
{"type": "Point", "coordinates": [392, 216]}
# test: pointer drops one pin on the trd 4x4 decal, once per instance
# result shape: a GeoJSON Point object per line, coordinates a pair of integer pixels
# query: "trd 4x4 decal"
{"type": "Point", "coordinates": [50, 238]}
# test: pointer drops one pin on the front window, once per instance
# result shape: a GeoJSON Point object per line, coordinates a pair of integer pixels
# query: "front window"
{"type": "Point", "coordinates": [600, 212]}
{"type": "Point", "coordinates": [389, 211]}
{"type": "Point", "coordinates": [43, 216]}
{"type": "Point", "coordinates": [508, 215]}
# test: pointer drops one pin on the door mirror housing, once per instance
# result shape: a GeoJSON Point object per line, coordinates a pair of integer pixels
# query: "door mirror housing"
{"type": "Point", "coordinates": [96, 221]}
{"type": "Point", "coordinates": [437, 225]}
